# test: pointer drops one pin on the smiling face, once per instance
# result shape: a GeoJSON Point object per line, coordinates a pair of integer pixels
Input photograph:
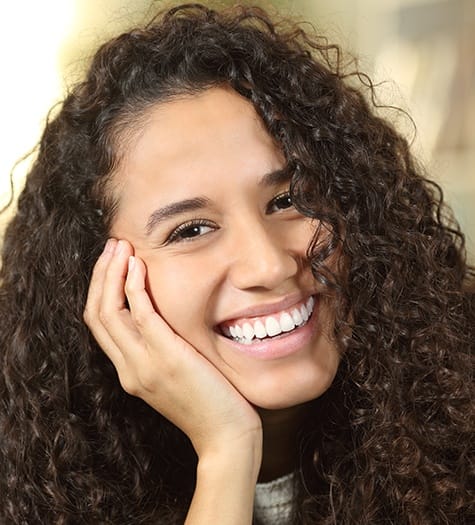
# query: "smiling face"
{"type": "Point", "coordinates": [203, 198]}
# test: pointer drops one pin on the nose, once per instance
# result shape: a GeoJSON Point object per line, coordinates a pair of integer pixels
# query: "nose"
{"type": "Point", "coordinates": [262, 259]}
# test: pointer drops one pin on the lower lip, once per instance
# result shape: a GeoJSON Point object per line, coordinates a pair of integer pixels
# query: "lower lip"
{"type": "Point", "coordinates": [283, 345]}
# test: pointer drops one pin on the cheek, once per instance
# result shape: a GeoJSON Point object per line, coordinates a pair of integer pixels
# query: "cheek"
{"type": "Point", "coordinates": [297, 235]}
{"type": "Point", "coordinates": [178, 291]}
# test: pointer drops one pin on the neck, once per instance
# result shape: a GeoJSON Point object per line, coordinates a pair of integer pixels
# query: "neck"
{"type": "Point", "coordinates": [281, 429]}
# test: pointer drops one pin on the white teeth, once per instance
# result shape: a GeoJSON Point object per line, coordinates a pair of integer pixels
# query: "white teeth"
{"type": "Point", "coordinates": [297, 317]}
{"type": "Point", "coordinates": [286, 322]}
{"type": "Point", "coordinates": [248, 331]}
{"type": "Point", "coordinates": [310, 305]}
{"type": "Point", "coordinates": [272, 327]}
{"type": "Point", "coordinates": [260, 330]}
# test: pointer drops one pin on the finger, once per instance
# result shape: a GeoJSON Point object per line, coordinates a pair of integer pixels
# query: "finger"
{"type": "Point", "coordinates": [108, 346]}
{"type": "Point", "coordinates": [97, 279]}
{"type": "Point", "coordinates": [141, 307]}
{"type": "Point", "coordinates": [148, 321]}
{"type": "Point", "coordinates": [93, 302]}
{"type": "Point", "coordinates": [113, 296]}
{"type": "Point", "coordinates": [118, 332]}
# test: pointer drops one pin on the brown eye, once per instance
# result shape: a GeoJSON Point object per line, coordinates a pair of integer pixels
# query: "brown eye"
{"type": "Point", "coordinates": [190, 230]}
{"type": "Point", "coordinates": [280, 202]}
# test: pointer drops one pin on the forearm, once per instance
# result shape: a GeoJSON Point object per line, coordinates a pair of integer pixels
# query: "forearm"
{"type": "Point", "coordinates": [225, 487]}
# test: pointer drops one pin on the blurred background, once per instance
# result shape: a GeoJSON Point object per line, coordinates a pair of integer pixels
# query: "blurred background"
{"type": "Point", "coordinates": [422, 51]}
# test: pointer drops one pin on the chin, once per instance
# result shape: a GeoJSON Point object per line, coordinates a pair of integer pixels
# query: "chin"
{"type": "Point", "coordinates": [280, 398]}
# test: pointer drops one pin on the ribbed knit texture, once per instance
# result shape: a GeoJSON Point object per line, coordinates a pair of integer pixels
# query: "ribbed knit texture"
{"type": "Point", "coordinates": [273, 501]}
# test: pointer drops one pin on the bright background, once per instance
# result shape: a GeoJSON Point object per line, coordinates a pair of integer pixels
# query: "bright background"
{"type": "Point", "coordinates": [424, 50]}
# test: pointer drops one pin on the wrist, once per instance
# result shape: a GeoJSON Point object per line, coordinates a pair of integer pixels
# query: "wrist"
{"type": "Point", "coordinates": [242, 456]}
{"type": "Point", "coordinates": [225, 485]}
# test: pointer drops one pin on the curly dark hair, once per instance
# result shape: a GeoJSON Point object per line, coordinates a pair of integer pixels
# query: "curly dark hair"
{"type": "Point", "coordinates": [394, 446]}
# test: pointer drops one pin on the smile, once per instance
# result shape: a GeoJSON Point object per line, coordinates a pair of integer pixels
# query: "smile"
{"type": "Point", "coordinates": [247, 331]}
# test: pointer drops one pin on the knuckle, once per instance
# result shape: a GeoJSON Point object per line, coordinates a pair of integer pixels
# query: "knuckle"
{"type": "Point", "coordinates": [129, 385]}
{"type": "Point", "coordinates": [140, 319]}
{"type": "Point", "coordinates": [87, 316]}
{"type": "Point", "coordinates": [148, 380]}
{"type": "Point", "coordinates": [105, 318]}
{"type": "Point", "coordinates": [90, 316]}
{"type": "Point", "coordinates": [128, 287]}
{"type": "Point", "coordinates": [139, 384]}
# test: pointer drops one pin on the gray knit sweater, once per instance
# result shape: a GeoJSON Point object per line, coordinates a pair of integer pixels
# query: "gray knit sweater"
{"type": "Point", "coordinates": [273, 501]}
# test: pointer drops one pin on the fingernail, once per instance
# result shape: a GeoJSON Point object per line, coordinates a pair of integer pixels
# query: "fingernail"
{"type": "Point", "coordinates": [120, 246]}
{"type": "Point", "coordinates": [131, 263]}
{"type": "Point", "coordinates": [110, 246]}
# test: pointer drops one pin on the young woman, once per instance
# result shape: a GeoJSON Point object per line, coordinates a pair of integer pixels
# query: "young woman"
{"type": "Point", "coordinates": [229, 295]}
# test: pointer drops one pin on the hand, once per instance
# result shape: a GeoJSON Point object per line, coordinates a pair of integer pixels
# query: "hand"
{"type": "Point", "coordinates": [157, 365]}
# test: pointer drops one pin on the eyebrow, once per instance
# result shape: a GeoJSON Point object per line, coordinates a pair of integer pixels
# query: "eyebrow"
{"type": "Point", "coordinates": [175, 208]}
{"type": "Point", "coordinates": [273, 178]}
{"type": "Point", "coordinates": [276, 177]}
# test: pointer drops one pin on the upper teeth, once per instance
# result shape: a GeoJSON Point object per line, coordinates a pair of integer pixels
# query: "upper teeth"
{"type": "Point", "coordinates": [272, 325]}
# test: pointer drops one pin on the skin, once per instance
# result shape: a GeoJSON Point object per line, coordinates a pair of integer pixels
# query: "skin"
{"type": "Point", "coordinates": [248, 250]}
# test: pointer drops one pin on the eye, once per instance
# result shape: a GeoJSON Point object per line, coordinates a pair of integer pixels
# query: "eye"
{"type": "Point", "coordinates": [283, 201]}
{"type": "Point", "coordinates": [190, 230]}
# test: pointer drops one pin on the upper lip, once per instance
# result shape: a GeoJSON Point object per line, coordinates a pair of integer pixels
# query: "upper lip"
{"type": "Point", "coordinates": [270, 308]}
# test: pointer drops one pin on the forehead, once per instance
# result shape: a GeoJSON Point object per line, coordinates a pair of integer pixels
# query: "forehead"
{"type": "Point", "coordinates": [216, 133]}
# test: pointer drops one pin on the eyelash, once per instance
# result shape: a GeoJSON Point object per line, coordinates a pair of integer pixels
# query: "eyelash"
{"type": "Point", "coordinates": [178, 234]}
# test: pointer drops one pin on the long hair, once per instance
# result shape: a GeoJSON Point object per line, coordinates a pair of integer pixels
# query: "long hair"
{"type": "Point", "coordinates": [394, 446]}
